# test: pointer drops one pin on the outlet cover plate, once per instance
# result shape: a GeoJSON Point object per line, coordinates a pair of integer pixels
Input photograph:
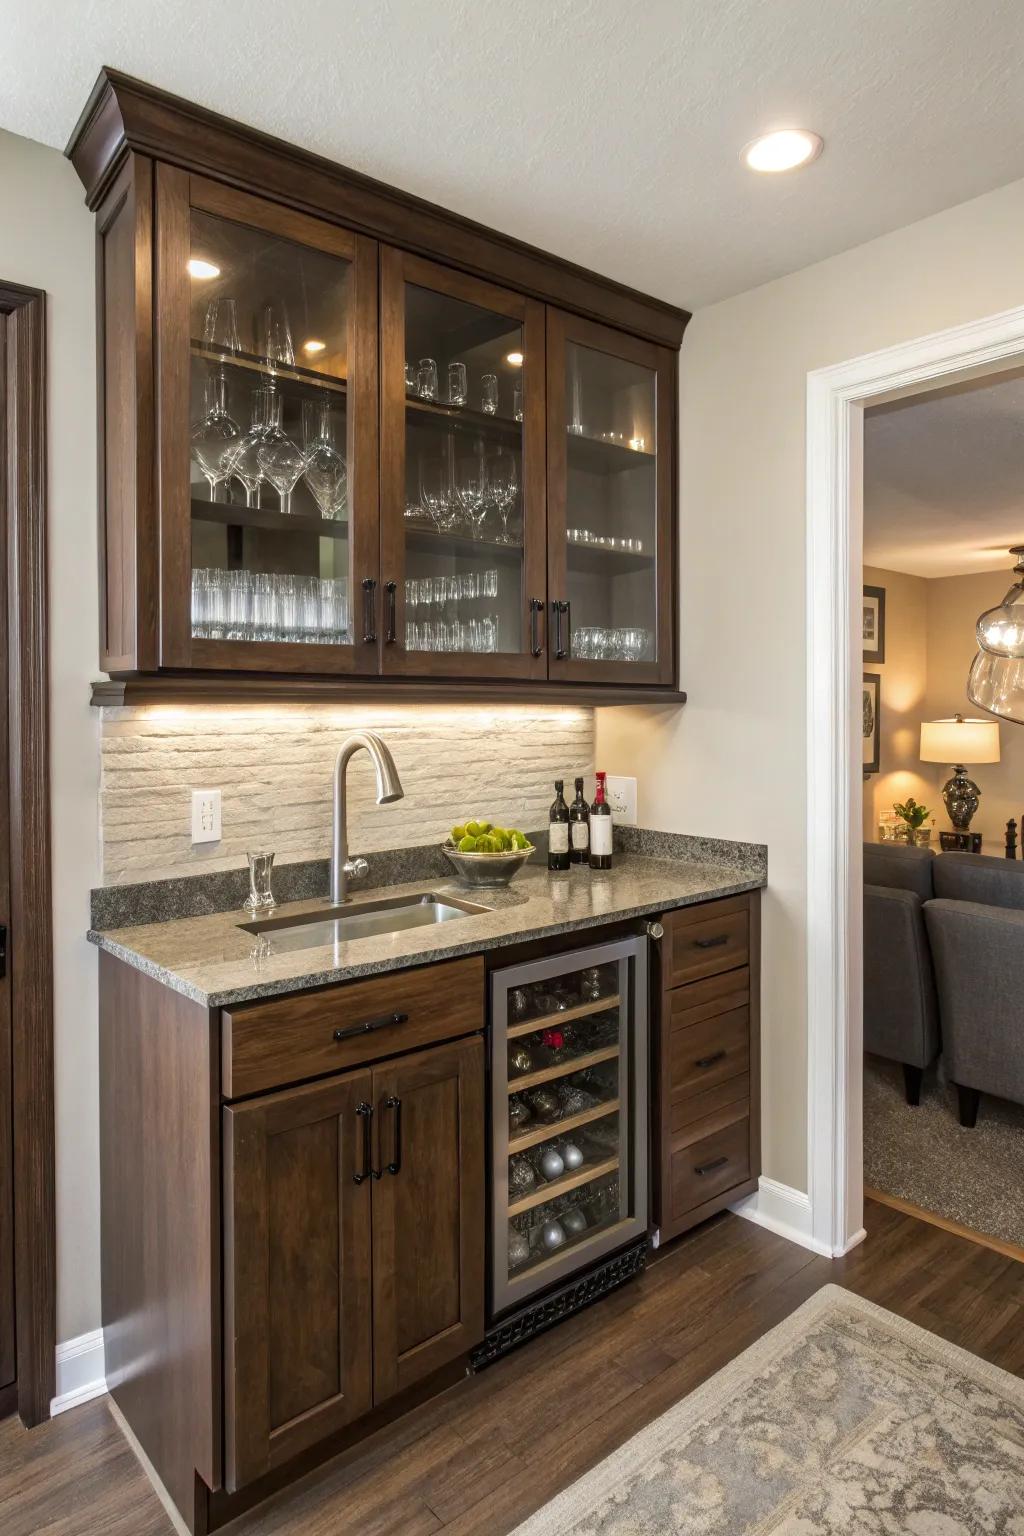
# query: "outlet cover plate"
{"type": "Point", "coordinates": [206, 816]}
{"type": "Point", "coordinates": [621, 793]}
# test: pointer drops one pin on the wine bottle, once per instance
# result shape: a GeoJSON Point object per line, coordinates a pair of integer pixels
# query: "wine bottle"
{"type": "Point", "coordinates": [558, 830]}
{"type": "Point", "coordinates": [579, 827]}
{"type": "Point", "coordinates": [600, 828]}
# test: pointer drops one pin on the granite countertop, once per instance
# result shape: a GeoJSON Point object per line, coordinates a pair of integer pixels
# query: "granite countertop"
{"type": "Point", "coordinates": [212, 960]}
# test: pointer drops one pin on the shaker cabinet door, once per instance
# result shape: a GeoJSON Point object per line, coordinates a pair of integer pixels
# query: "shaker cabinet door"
{"type": "Point", "coordinates": [266, 332]}
{"type": "Point", "coordinates": [428, 1213]}
{"type": "Point", "coordinates": [297, 1305]}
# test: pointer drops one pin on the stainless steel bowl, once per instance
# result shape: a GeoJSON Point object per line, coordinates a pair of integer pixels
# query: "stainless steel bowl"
{"type": "Point", "coordinates": [486, 868]}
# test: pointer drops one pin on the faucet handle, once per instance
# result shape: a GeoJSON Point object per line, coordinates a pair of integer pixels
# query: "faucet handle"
{"type": "Point", "coordinates": [356, 868]}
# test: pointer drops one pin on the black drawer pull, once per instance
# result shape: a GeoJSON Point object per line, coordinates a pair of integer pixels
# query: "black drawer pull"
{"type": "Point", "coordinates": [716, 1162]}
{"type": "Point", "coordinates": [370, 1025]}
{"type": "Point", "coordinates": [365, 1113]}
{"type": "Point", "coordinates": [709, 1061]}
{"type": "Point", "coordinates": [395, 1103]}
{"type": "Point", "coordinates": [719, 939]}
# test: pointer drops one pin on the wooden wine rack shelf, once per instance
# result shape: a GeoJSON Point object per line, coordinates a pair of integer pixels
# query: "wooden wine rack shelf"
{"type": "Point", "coordinates": [566, 1016]}
{"type": "Point", "coordinates": [563, 1185]}
{"type": "Point", "coordinates": [553, 1128]}
{"type": "Point", "coordinates": [562, 1069]}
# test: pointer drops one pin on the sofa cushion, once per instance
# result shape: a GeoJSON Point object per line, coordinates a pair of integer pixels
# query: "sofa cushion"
{"type": "Point", "coordinates": [979, 878]}
{"type": "Point", "coordinates": [900, 867]}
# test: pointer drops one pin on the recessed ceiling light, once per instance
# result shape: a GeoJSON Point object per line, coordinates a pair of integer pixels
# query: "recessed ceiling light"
{"type": "Point", "coordinates": [199, 268]}
{"type": "Point", "coordinates": [515, 358]}
{"type": "Point", "coordinates": [783, 151]}
{"type": "Point", "coordinates": [311, 348]}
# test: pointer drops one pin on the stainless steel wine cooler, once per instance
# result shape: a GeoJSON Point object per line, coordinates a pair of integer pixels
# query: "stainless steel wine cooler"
{"type": "Point", "coordinates": [569, 1111]}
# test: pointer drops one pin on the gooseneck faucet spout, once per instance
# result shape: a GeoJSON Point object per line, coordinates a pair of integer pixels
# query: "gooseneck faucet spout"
{"type": "Point", "coordinates": [389, 788]}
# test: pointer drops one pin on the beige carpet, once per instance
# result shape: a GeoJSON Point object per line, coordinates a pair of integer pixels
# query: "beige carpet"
{"type": "Point", "coordinates": [842, 1421]}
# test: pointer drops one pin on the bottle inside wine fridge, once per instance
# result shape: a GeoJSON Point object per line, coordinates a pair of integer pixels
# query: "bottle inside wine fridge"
{"type": "Point", "coordinates": [569, 1089]}
{"type": "Point", "coordinates": [579, 827]}
{"type": "Point", "coordinates": [558, 830]}
{"type": "Point", "coordinates": [600, 828]}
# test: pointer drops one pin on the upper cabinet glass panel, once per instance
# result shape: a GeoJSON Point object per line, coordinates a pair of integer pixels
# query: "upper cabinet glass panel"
{"type": "Point", "coordinates": [268, 441]}
{"type": "Point", "coordinates": [460, 537]}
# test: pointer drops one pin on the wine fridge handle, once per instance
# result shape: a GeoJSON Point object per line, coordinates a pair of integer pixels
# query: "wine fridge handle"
{"type": "Point", "coordinates": [369, 622]}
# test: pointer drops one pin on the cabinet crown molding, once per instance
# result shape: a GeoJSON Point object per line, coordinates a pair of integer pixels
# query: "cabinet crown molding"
{"type": "Point", "coordinates": [124, 115]}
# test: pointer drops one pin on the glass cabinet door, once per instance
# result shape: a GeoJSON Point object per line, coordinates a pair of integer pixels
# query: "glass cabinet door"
{"type": "Point", "coordinates": [462, 475]}
{"type": "Point", "coordinates": [266, 324]}
{"type": "Point", "coordinates": [610, 504]}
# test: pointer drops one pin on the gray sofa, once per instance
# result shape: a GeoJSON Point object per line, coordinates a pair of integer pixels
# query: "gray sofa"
{"type": "Point", "coordinates": [901, 1015]}
{"type": "Point", "coordinates": [976, 933]}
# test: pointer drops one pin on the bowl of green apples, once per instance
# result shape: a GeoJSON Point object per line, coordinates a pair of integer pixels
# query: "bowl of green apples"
{"type": "Point", "coordinates": [483, 854]}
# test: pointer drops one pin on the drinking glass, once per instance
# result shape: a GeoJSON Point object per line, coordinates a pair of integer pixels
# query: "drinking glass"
{"type": "Point", "coordinates": [503, 480]}
{"type": "Point", "coordinates": [215, 435]}
{"type": "Point", "coordinates": [457, 384]}
{"type": "Point", "coordinates": [325, 470]}
{"type": "Point", "coordinates": [334, 610]}
{"type": "Point", "coordinates": [239, 605]}
{"type": "Point", "coordinates": [307, 609]}
{"type": "Point", "coordinates": [435, 492]}
{"type": "Point", "coordinates": [260, 897]}
{"type": "Point", "coordinates": [410, 379]}
{"type": "Point", "coordinates": [200, 603]}
{"type": "Point", "coordinates": [426, 379]}
{"type": "Point", "coordinates": [216, 604]}
{"type": "Point", "coordinates": [277, 338]}
{"type": "Point", "coordinates": [489, 393]}
{"type": "Point", "coordinates": [244, 461]}
{"type": "Point", "coordinates": [280, 460]}
{"type": "Point", "coordinates": [471, 489]}
{"type": "Point", "coordinates": [264, 606]}
{"type": "Point", "coordinates": [286, 611]}
{"type": "Point", "coordinates": [517, 400]}
{"type": "Point", "coordinates": [220, 328]}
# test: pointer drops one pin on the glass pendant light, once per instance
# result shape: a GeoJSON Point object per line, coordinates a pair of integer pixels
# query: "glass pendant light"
{"type": "Point", "coordinates": [996, 679]}
{"type": "Point", "coordinates": [1001, 630]}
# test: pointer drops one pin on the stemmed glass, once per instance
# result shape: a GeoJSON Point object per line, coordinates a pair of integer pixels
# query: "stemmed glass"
{"type": "Point", "coordinates": [280, 460]}
{"type": "Point", "coordinates": [277, 339]}
{"type": "Point", "coordinates": [503, 480]}
{"type": "Point", "coordinates": [325, 471]}
{"type": "Point", "coordinates": [244, 461]}
{"type": "Point", "coordinates": [471, 489]}
{"type": "Point", "coordinates": [435, 492]}
{"type": "Point", "coordinates": [214, 436]}
{"type": "Point", "coordinates": [220, 330]}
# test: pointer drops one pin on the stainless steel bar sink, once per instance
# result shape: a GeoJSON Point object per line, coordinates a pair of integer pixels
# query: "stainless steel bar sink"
{"type": "Point", "coordinates": [361, 920]}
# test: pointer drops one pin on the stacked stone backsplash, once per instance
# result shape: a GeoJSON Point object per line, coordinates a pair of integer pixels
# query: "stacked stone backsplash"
{"type": "Point", "coordinates": [274, 769]}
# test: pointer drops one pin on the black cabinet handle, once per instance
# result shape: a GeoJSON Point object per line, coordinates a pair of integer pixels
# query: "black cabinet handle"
{"type": "Point", "coordinates": [395, 1164]}
{"type": "Point", "coordinates": [719, 939]}
{"type": "Point", "coordinates": [567, 610]}
{"type": "Point", "coordinates": [536, 609]}
{"type": "Point", "coordinates": [709, 1061]}
{"type": "Point", "coordinates": [558, 608]}
{"type": "Point", "coordinates": [389, 633]}
{"type": "Point", "coordinates": [369, 1025]}
{"type": "Point", "coordinates": [369, 623]}
{"type": "Point", "coordinates": [716, 1162]}
{"type": "Point", "coordinates": [365, 1113]}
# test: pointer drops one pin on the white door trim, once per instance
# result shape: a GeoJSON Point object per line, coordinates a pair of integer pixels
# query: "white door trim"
{"type": "Point", "coordinates": [836, 398]}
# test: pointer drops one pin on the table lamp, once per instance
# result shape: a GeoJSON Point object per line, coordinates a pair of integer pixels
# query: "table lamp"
{"type": "Point", "coordinates": [959, 742]}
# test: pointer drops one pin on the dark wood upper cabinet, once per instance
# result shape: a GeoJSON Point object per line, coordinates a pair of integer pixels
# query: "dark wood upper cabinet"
{"type": "Point", "coordinates": [346, 435]}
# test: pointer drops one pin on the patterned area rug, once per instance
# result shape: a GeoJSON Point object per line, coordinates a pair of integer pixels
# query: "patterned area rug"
{"type": "Point", "coordinates": [844, 1419]}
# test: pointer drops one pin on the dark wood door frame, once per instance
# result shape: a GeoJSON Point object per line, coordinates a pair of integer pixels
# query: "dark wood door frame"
{"type": "Point", "coordinates": [29, 922]}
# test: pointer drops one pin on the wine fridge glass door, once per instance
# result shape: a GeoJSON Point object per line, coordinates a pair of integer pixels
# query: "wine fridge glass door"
{"type": "Point", "coordinates": [569, 1086]}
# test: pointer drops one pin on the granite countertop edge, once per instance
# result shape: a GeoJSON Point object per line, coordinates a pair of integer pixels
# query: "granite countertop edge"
{"type": "Point", "coordinates": [721, 883]}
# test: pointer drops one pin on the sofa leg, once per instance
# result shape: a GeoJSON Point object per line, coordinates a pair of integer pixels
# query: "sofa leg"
{"type": "Point", "coordinates": [969, 1101]}
{"type": "Point", "coordinates": [912, 1082]}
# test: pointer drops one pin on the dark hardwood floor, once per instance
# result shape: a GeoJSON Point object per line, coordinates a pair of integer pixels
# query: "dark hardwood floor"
{"type": "Point", "coordinates": [495, 1447]}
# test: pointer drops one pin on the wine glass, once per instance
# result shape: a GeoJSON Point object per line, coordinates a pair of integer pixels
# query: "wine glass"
{"type": "Point", "coordinates": [277, 338]}
{"type": "Point", "coordinates": [325, 471]}
{"type": "Point", "coordinates": [471, 489]}
{"type": "Point", "coordinates": [435, 492]}
{"type": "Point", "coordinates": [503, 480]}
{"type": "Point", "coordinates": [215, 435]}
{"type": "Point", "coordinates": [220, 329]}
{"type": "Point", "coordinates": [280, 460]}
{"type": "Point", "coordinates": [244, 461]}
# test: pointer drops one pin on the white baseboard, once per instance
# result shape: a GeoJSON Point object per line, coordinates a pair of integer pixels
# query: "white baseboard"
{"type": "Point", "coordinates": [784, 1210]}
{"type": "Point", "coordinates": [80, 1371]}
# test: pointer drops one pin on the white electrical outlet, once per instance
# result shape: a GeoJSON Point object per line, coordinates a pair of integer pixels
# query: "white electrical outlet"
{"type": "Point", "coordinates": [206, 816]}
{"type": "Point", "coordinates": [621, 794]}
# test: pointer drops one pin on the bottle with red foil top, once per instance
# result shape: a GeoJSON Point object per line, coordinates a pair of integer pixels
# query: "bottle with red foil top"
{"type": "Point", "coordinates": [600, 828]}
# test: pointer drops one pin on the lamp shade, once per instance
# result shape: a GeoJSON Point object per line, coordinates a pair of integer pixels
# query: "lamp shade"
{"type": "Point", "coordinates": [959, 741]}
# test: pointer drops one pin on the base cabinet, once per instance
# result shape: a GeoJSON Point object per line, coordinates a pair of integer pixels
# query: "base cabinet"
{"type": "Point", "coordinates": [354, 1263]}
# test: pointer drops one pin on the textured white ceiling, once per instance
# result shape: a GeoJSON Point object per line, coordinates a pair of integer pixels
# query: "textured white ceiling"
{"type": "Point", "coordinates": [944, 480]}
{"type": "Point", "coordinates": [607, 133]}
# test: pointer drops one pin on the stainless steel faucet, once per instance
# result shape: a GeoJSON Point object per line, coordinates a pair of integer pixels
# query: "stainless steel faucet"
{"type": "Point", "coordinates": [389, 788]}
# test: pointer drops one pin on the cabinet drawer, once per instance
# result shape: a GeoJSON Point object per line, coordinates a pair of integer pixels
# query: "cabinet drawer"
{"type": "Point", "coordinates": [708, 939]}
{"type": "Point", "coordinates": [701, 1055]}
{"type": "Point", "coordinates": [286, 1039]}
{"type": "Point", "coordinates": [709, 1165]}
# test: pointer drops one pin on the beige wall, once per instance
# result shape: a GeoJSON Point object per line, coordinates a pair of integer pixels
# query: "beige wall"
{"type": "Point", "coordinates": [732, 762]}
{"type": "Point", "coordinates": [904, 676]}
